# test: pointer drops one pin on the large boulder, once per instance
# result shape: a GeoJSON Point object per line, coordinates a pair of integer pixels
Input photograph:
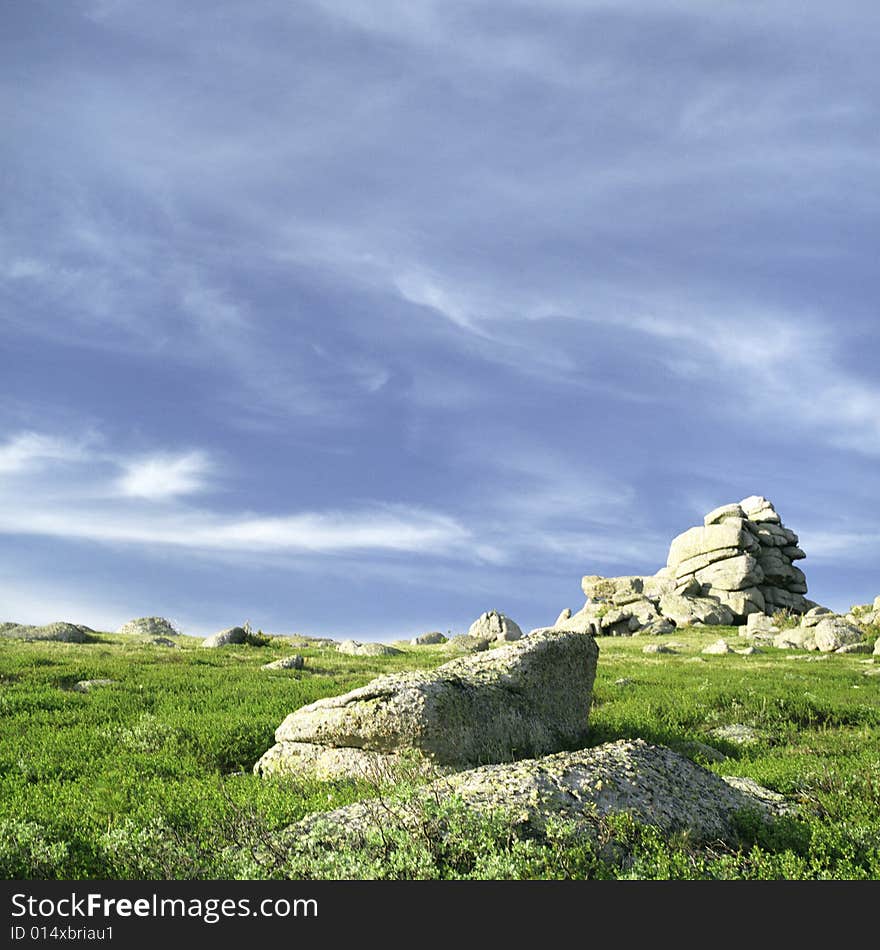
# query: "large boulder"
{"type": "Point", "coordinates": [495, 627]}
{"type": "Point", "coordinates": [225, 637]}
{"type": "Point", "coordinates": [653, 784]}
{"type": "Point", "coordinates": [524, 699]}
{"type": "Point", "coordinates": [150, 627]}
{"type": "Point", "coordinates": [832, 633]}
{"type": "Point", "coordinates": [60, 631]}
{"type": "Point", "coordinates": [428, 639]}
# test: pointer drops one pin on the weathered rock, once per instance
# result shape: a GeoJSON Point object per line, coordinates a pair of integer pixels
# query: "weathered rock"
{"type": "Point", "coordinates": [428, 639]}
{"type": "Point", "coordinates": [59, 631]}
{"type": "Point", "coordinates": [760, 624]}
{"type": "Point", "coordinates": [225, 637]}
{"type": "Point", "coordinates": [688, 610]}
{"type": "Point", "coordinates": [877, 647]}
{"type": "Point", "coordinates": [800, 638]}
{"type": "Point", "coordinates": [657, 648]}
{"type": "Point", "coordinates": [748, 651]}
{"type": "Point", "coordinates": [86, 686]}
{"type": "Point", "coordinates": [656, 628]}
{"type": "Point", "coordinates": [715, 537]}
{"type": "Point", "coordinates": [854, 648]}
{"type": "Point", "coordinates": [719, 647]}
{"type": "Point", "coordinates": [587, 620]}
{"type": "Point", "coordinates": [719, 515]}
{"type": "Point", "coordinates": [563, 616]}
{"type": "Point", "coordinates": [742, 602]}
{"type": "Point", "coordinates": [832, 633]}
{"type": "Point", "coordinates": [527, 698]}
{"type": "Point", "coordinates": [150, 627]}
{"type": "Point", "coordinates": [467, 644]}
{"type": "Point", "coordinates": [733, 573]}
{"type": "Point", "coordinates": [737, 732]}
{"type": "Point", "coordinates": [294, 662]}
{"type": "Point", "coordinates": [356, 648]}
{"type": "Point", "coordinates": [494, 626]}
{"type": "Point", "coordinates": [161, 642]}
{"type": "Point", "coordinates": [814, 615]}
{"type": "Point", "coordinates": [759, 509]}
{"type": "Point", "coordinates": [653, 784]}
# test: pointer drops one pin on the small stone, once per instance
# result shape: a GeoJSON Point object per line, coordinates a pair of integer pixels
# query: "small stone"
{"type": "Point", "coordinates": [657, 648]}
{"type": "Point", "coordinates": [86, 686]}
{"type": "Point", "coordinates": [294, 662]}
{"type": "Point", "coordinates": [717, 648]}
{"type": "Point", "coordinates": [736, 732]}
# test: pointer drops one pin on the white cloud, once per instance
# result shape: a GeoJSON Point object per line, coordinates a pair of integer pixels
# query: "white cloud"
{"type": "Point", "coordinates": [30, 451]}
{"type": "Point", "coordinates": [165, 476]}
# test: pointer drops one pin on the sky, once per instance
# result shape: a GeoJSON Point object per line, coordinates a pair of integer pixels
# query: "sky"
{"type": "Point", "coordinates": [358, 319]}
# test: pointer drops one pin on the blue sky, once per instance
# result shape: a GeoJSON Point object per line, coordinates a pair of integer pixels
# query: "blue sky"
{"type": "Point", "coordinates": [361, 318]}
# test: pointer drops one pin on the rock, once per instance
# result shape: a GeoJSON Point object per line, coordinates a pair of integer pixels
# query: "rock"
{"type": "Point", "coordinates": [526, 698]}
{"type": "Point", "coordinates": [718, 515]}
{"type": "Point", "coordinates": [748, 651]}
{"type": "Point", "coordinates": [161, 642]}
{"type": "Point", "coordinates": [697, 541]}
{"type": "Point", "coordinates": [877, 602]}
{"type": "Point", "coordinates": [736, 732]}
{"type": "Point", "coordinates": [468, 644]}
{"type": "Point", "coordinates": [653, 784]}
{"type": "Point", "coordinates": [854, 648]}
{"type": "Point", "coordinates": [717, 648]}
{"type": "Point", "coordinates": [707, 752]}
{"type": "Point", "coordinates": [150, 627]}
{"type": "Point", "coordinates": [687, 610]}
{"type": "Point", "coordinates": [760, 624]}
{"type": "Point", "coordinates": [833, 632]}
{"type": "Point", "coordinates": [86, 686]}
{"type": "Point", "coordinates": [733, 573]}
{"type": "Point", "coordinates": [587, 620]}
{"type": "Point", "coordinates": [657, 648]}
{"type": "Point", "coordinates": [656, 628]}
{"type": "Point", "coordinates": [494, 626]}
{"type": "Point", "coordinates": [563, 616]}
{"type": "Point", "coordinates": [60, 631]}
{"type": "Point", "coordinates": [800, 638]}
{"type": "Point", "coordinates": [225, 637]}
{"type": "Point", "coordinates": [877, 647]}
{"type": "Point", "coordinates": [294, 662]}
{"type": "Point", "coordinates": [355, 648]}
{"type": "Point", "coordinates": [743, 602]}
{"type": "Point", "coordinates": [428, 639]}
{"type": "Point", "coordinates": [758, 509]}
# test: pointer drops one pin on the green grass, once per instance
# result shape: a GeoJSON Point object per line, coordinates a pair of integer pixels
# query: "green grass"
{"type": "Point", "coordinates": [151, 776]}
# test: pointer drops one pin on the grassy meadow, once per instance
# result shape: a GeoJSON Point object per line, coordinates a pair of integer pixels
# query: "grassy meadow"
{"type": "Point", "coordinates": [151, 776]}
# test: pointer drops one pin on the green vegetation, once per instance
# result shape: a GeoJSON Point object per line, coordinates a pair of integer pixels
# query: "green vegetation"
{"type": "Point", "coordinates": [150, 777]}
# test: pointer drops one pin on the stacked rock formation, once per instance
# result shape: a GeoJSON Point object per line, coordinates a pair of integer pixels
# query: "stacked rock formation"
{"type": "Point", "coordinates": [739, 562]}
{"type": "Point", "coordinates": [523, 699]}
{"type": "Point", "coordinates": [744, 557]}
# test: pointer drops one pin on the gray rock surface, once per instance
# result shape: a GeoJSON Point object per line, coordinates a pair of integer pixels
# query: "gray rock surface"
{"type": "Point", "coordinates": [428, 639]}
{"type": "Point", "coordinates": [657, 648]}
{"type": "Point", "coordinates": [463, 643]}
{"type": "Point", "coordinates": [294, 662]}
{"type": "Point", "coordinates": [355, 648]}
{"type": "Point", "coordinates": [150, 627]}
{"type": "Point", "coordinates": [523, 699]}
{"type": "Point", "coordinates": [718, 648]}
{"type": "Point", "coordinates": [225, 637]}
{"type": "Point", "coordinates": [60, 631]}
{"type": "Point", "coordinates": [161, 642]}
{"type": "Point", "coordinates": [655, 785]}
{"type": "Point", "coordinates": [834, 632]}
{"type": "Point", "coordinates": [495, 627]}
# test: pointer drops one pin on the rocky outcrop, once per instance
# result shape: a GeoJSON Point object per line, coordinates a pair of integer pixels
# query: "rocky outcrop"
{"type": "Point", "coordinates": [739, 562]}
{"type": "Point", "coordinates": [150, 627]}
{"type": "Point", "coordinates": [225, 637]}
{"type": "Point", "coordinates": [495, 627]}
{"type": "Point", "coordinates": [743, 556]}
{"type": "Point", "coordinates": [524, 699]}
{"type": "Point", "coordinates": [655, 785]}
{"type": "Point", "coordinates": [86, 686]}
{"type": "Point", "coordinates": [356, 648]}
{"type": "Point", "coordinates": [462, 643]}
{"type": "Point", "coordinates": [60, 631]}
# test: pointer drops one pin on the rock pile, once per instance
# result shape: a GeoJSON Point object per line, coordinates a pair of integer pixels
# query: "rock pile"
{"type": "Point", "coordinates": [523, 699]}
{"type": "Point", "coordinates": [738, 563]}
{"type": "Point", "coordinates": [744, 557]}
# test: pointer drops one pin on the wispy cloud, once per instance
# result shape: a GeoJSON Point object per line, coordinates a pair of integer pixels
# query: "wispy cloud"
{"type": "Point", "coordinates": [31, 451]}
{"type": "Point", "coordinates": [165, 476]}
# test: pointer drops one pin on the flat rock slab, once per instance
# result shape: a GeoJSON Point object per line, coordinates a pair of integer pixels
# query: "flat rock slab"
{"type": "Point", "coordinates": [655, 785]}
{"type": "Point", "coordinates": [355, 648]}
{"type": "Point", "coordinates": [527, 698]}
